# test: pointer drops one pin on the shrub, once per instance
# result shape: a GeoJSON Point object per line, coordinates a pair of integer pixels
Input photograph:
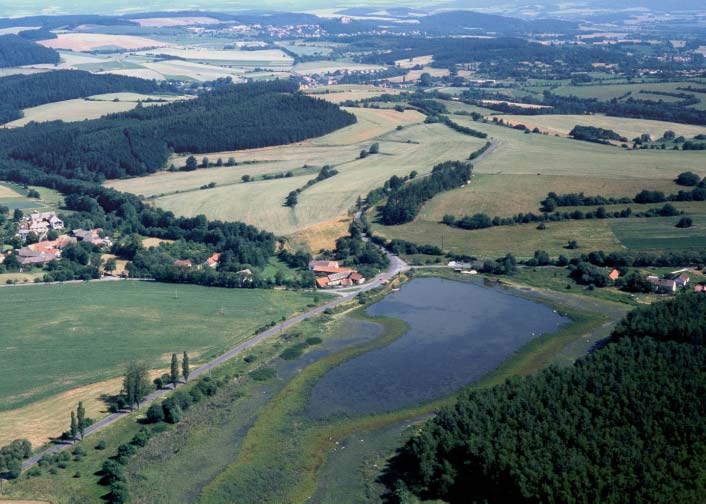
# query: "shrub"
{"type": "Point", "coordinates": [155, 413]}
{"type": "Point", "coordinates": [688, 179]}
{"type": "Point", "coordinates": [172, 411]}
{"type": "Point", "coordinates": [685, 222]}
{"type": "Point", "coordinates": [250, 358]}
{"type": "Point", "coordinates": [100, 445]}
{"type": "Point", "coordinates": [314, 340]}
{"type": "Point", "coordinates": [263, 374]}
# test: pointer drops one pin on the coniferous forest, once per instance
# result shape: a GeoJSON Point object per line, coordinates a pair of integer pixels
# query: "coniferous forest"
{"type": "Point", "coordinates": [625, 424]}
{"type": "Point", "coordinates": [139, 141]}
{"type": "Point", "coordinates": [16, 51]}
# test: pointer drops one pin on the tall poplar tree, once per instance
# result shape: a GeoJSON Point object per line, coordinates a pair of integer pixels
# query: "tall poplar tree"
{"type": "Point", "coordinates": [174, 376]}
{"type": "Point", "coordinates": [185, 371]}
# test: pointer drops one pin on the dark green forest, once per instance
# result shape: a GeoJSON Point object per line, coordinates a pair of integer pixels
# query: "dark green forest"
{"type": "Point", "coordinates": [23, 91]}
{"type": "Point", "coordinates": [139, 141]}
{"type": "Point", "coordinates": [626, 424]}
{"type": "Point", "coordinates": [16, 51]}
{"type": "Point", "coordinates": [404, 201]}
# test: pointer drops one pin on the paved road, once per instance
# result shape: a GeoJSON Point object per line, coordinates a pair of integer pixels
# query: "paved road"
{"type": "Point", "coordinates": [397, 266]}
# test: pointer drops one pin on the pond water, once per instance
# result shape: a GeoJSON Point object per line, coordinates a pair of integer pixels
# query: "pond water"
{"type": "Point", "coordinates": [458, 333]}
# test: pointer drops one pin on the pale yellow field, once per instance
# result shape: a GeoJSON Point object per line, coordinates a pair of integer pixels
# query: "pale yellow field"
{"type": "Point", "coordinates": [197, 71]}
{"type": "Point", "coordinates": [197, 53]}
{"type": "Point", "coordinates": [20, 277]}
{"type": "Point", "coordinates": [80, 109]}
{"type": "Point", "coordinates": [45, 419]}
{"type": "Point", "coordinates": [6, 192]}
{"type": "Point", "coordinates": [90, 41]}
{"type": "Point", "coordinates": [357, 94]}
{"type": "Point", "coordinates": [411, 62]}
{"type": "Point", "coordinates": [324, 67]}
{"type": "Point", "coordinates": [414, 75]}
{"type": "Point", "coordinates": [515, 104]}
{"type": "Point", "coordinates": [320, 236]}
{"type": "Point", "coordinates": [140, 73]}
{"type": "Point", "coordinates": [161, 22]}
{"type": "Point", "coordinates": [629, 128]}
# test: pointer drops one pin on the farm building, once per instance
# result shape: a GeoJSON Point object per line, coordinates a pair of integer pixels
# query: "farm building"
{"type": "Point", "coordinates": [330, 274]}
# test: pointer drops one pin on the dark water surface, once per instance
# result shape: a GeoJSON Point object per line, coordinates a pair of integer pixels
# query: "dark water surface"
{"type": "Point", "coordinates": [458, 333]}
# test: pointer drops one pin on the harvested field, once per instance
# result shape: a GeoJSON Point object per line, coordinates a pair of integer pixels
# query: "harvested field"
{"type": "Point", "coordinates": [324, 67]}
{"type": "Point", "coordinates": [192, 70]}
{"type": "Point", "coordinates": [91, 41]}
{"type": "Point", "coordinates": [266, 57]}
{"type": "Point", "coordinates": [515, 104]}
{"type": "Point", "coordinates": [412, 62]}
{"type": "Point", "coordinates": [320, 236]}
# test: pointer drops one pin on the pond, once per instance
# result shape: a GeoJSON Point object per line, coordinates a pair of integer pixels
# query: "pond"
{"type": "Point", "coordinates": [458, 333]}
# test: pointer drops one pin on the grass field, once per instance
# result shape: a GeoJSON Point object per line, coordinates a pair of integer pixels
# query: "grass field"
{"type": "Point", "coordinates": [524, 168]}
{"type": "Point", "coordinates": [14, 196]}
{"type": "Point", "coordinates": [607, 92]}
{"type": "Point", "coordinates": [630, 128]}
{"type": "Point", "coordinates": [59, 337]}
{"type": "Point", "coordinates": [417, 146]}
{"type": "Point", "coordinates": [324, 67]}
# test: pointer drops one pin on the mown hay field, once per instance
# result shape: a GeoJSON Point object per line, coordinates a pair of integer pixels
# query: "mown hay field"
{"type": "Point", "coordinates": [90, 41]}
{"type": "Point", "coordinates": [55, 338]}
{"type": "Point", "coordinates": [416, 146]}
{"type": "Point", "coordinates": [629, 128]}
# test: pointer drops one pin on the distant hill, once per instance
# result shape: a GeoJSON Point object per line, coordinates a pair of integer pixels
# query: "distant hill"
{"type": "Point", "coordinates": [466, 22]}
{"type": "Point", "coordinates": [16, 51]}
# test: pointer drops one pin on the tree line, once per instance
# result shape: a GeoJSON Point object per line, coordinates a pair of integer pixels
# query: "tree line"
{"type": "Point", "coordinates": [623, 424]}
{"type": "Point", "coordinates": [405, 200]}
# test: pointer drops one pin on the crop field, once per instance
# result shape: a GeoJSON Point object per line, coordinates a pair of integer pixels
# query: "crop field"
{"type": "Point", "coordinates": [91, 41]}
{"type": "Point", "coordinates": [86, 332]}
{"type": "Point", "coordinates": [192, 70]}
{"type": "Point", "coordinates": [13, 196]}
{"type": "Point", "coordinates": [265, 58]}
{"type": "Point", "coordinates": [417, 147]}
{"type": "Point", "coordinates": [162, 22]}
{"type": "Point", "coordinates": [339, 94]}
{"type": "Point", "coordinates": [660, 233]}
{"type": "Point", "coordinates": [324, 67]}
{"type": "Point", "coordinates": [630, 128]}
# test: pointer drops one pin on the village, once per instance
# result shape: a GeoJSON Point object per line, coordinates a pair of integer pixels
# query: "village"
{"type": "Point", "coordinates": [330, 274]}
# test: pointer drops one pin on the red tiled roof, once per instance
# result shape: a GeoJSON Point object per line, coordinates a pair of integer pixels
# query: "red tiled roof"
{"type": "Point", "coordinates": [179, 262]}
{"type": "Point", "coordinates": [356, 277]}
{"type": "Point", "coordinates": [330, 269]}
{"type": "Point", "coordinates": [322, 282]}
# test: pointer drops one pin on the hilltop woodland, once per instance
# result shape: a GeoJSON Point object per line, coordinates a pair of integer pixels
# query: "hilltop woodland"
{"type": "Point", "coordinates": [74, 158]}
{"type": "Point", "coordinates": [139, 141]}
{"type": "Point", "coordinates": [16, 51]}
{"type": "Point", "coordinates": [624, 424]}
{"type": "Point", "coordinates": [23, 91]}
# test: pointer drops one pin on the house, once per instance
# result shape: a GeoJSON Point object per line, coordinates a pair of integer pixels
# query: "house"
{"type": "Point", "coordinates": [28, 257]}
{"type": "Point", "coordinates": [322, 265]}
{"type": "Point", "coordinates": [614, 274]}
{"type": "Point", "coordinates": [337, 278]}
{"type": "Point", "coordinates": [665, 285]}
{"type": "Point", "coordinates": [322, 282]}
{"type": "Point", "coordinates": [212, 261]}
{"type": "Point", "coordinates": [357, 278]}
{"type": "Point", "coordinates": [39, 223]}
{"type": "Point", "coordinates": [182, 264]}
{"type": "Point", "coordinates": [682, 280]}
{"type": "Point", "coordinates": [92, 236]}
{"type": "Point", "coordinates": [699, 288]}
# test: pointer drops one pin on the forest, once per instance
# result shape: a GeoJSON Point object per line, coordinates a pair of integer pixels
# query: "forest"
{"type": "Point", "coordinates": [404, 201]}
{"type": "Point", "coordinates": [24, 91]}
{"type": "Point", "coordinates": [139, 141]}
{"type": "Point", "coordinates": [626, 423]}
{"type": "Point", "coordinates": [16, 51]}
